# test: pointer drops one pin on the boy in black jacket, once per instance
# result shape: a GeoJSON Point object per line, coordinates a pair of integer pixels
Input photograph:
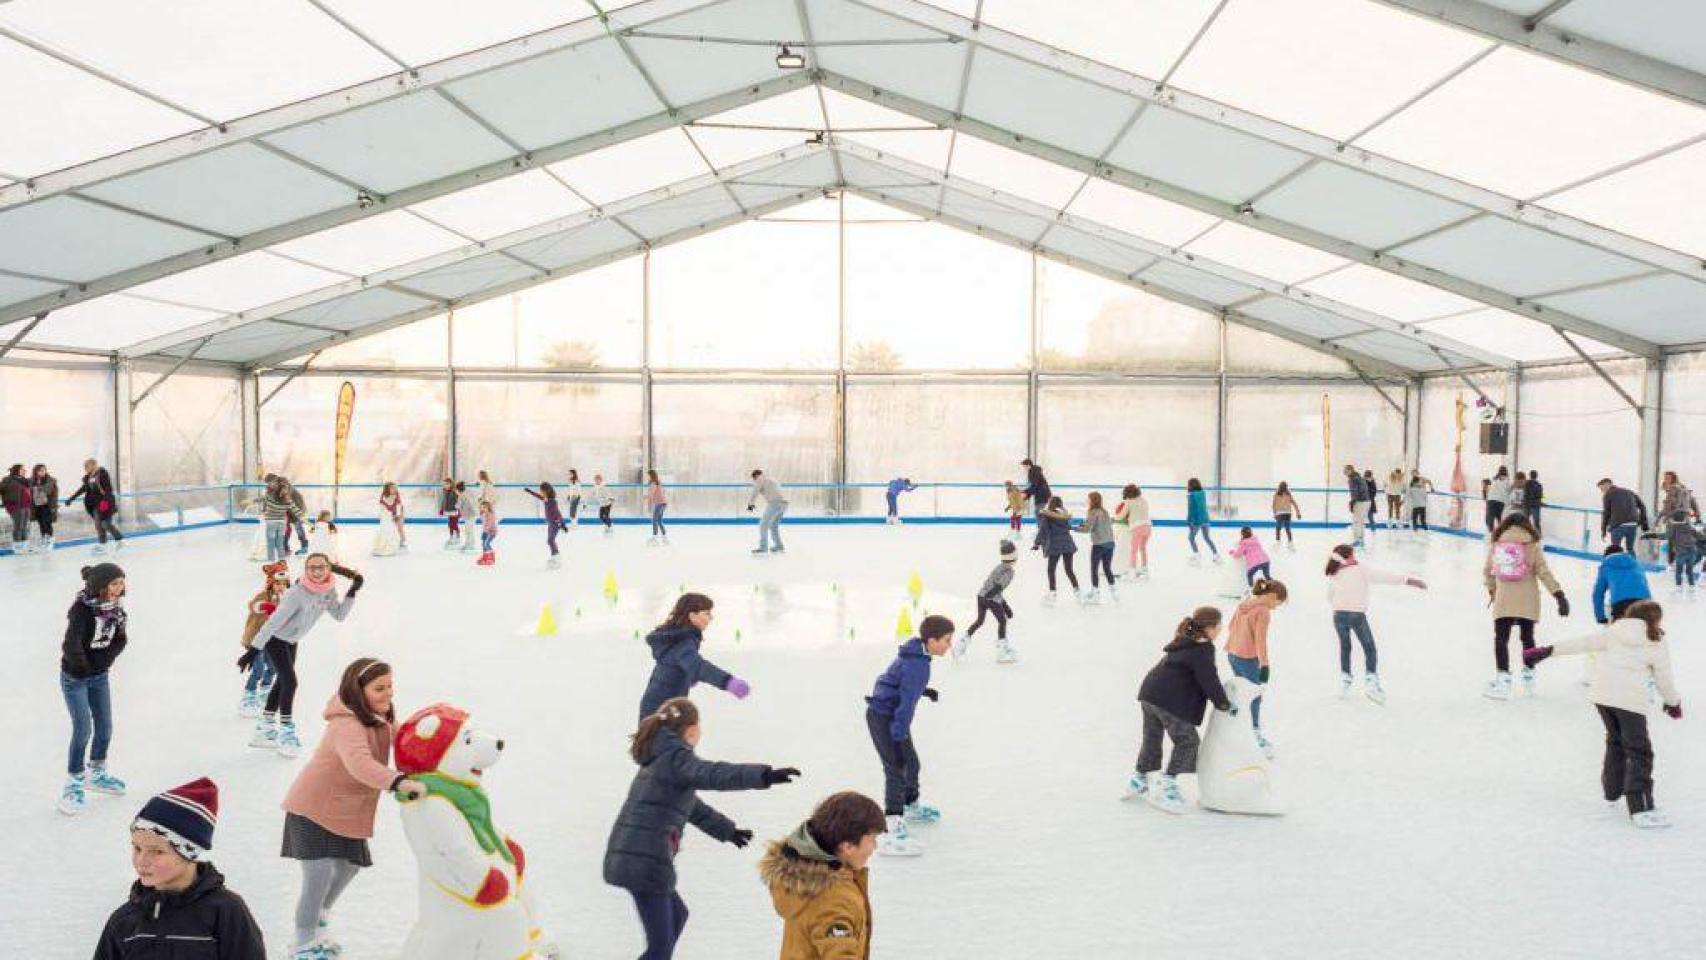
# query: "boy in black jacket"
{"type": "Point", "coordinates": [1174, 696]}
{"type": "Point", "coordinates": [179, 905]}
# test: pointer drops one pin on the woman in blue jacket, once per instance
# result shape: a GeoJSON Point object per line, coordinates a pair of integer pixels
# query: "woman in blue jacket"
{"type": "Point", "coordinates": [678, 665]}
{"type": "Point", "coordinates": [1196, 517]}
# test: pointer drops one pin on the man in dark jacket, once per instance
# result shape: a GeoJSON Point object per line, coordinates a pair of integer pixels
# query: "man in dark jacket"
{"type": "Point", "coordinates": [892, 703]}
{"type": "Point", "coordinates": [1037, 490]}
{"type": "Point", "coordinates": [1533, 497]}
{"type": "Point", "coordinates": [1621, 514]}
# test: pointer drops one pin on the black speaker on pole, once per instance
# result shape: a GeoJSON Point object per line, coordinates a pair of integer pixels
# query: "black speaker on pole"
{"type": "Point", "coordinates": [1495, 438]}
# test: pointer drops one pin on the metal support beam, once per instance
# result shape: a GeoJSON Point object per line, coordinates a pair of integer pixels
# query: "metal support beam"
{"type": "Point", "coordinates": [1513, 29]}
{"type": "Point", "coordinates": [1612, 383]}
{"type": "Point", "coordinates": [299, 371]}
{"type": "Point", "coordinates": [1458, 372]}
{"type": "Point", "coordinates": [1220, 404]}
{"type": "Point", "coordinates": [1652, 428]}
{"type": "Point", "coordinates": [171, 372]}
{"type": "Point", "coordinates": [1397, 407]}
{"type": "Point", "coordinates": [249, 386]}
{"type": "Point", "coordinates": [21, 334]}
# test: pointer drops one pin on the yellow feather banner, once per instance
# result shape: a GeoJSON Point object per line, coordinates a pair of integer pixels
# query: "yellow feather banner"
{"type": "Point", "coordinates": [346, 415]}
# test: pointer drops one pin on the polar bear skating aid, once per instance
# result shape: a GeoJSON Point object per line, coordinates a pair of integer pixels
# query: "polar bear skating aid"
{"type": "Point", "coordinates": [474, 904]}
{"type": "Point", "coordinates": [1232, 774]}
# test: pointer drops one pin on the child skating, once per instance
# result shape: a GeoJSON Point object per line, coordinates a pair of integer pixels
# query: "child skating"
{"type": "Point", "coordinates": [888, 716]}
{"type": "Point", "coordinates": [1632, 655]}
{"type": "Point", "coordinates": [449, 507]}
{"type": "Point", "coordinates": [468, 509]}
{"type": "Point", "coordinates": [1348, 582]}
{"type": "Point", "coordinates": [1247, 647]}
{"type": "Point", "coordinates": [1174, 696]}
{"type": "Point", "coordinates": [1197, 519]}
{"type": "Point", "coordinates": [1514, 569]}
{"type": "Point", "coordinates": [1619, 583]}
{"type": "Point", "coordinates": [1100, 526]}
{"type": "Point", "coordinates": [297, 613]}
{"type": "Point", "coordinates": [1054, 532]}
{"type": "Point", "coordinates": [392, 536]}
{"type": "Point", "coordinates": [261, 607]}
{"type": "Point", "coordinates": [602, 496]}
{"type": "Point", "coordinates": [1285, 511]}
{"type": "Point", "coordinates": [1249, 549]}
{"type": "Point", "coordinates": [94, 637]}
{"type": "Point", "coordinates": [547, 497]}
{"type": "Point", "coordinates": [573, 495]}
{"type": "Point", "coordinates": [657, 502]}
{"type": "Point", "coordinates": [1015, 507]}
{"type": "Point", "coordinates": [677, 664]}
{"type": "Point", "coordinates": [488, 533]}
{"type": "Point", "coordinates": [992, 599]}
{"type": "Point", "coordinates": [1684, 545]}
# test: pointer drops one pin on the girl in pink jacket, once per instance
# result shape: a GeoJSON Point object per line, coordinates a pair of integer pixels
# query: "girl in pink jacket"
{"type": "Point", "coordinates": [1347, 592]}
{"type": "Point", "coordinates": [329, 809]}
{"type": "Point", "coordinates": [1256, 563]}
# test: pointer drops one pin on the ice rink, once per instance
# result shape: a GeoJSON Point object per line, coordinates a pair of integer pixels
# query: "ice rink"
{"type": "Point", "coordinates": [1439, 825]}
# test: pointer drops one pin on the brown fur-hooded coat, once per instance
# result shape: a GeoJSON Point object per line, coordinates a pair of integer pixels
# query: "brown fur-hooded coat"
{"type": "Point", "coordinates": [824, 906]}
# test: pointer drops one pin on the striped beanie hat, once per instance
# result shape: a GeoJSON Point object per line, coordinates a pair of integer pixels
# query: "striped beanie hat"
{"type": "Point", "coordinates": [185, 816]}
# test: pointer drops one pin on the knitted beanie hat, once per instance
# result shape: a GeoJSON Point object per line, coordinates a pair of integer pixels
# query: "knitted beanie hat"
{"type": "Point", "coordinates": [99, 576]}
{"type": "Point", "coordinates": [185, 815]}
{"type": "Point", "coordinates": [424, 738]}
{"type": "Point", "coordinates": [1008, 551]}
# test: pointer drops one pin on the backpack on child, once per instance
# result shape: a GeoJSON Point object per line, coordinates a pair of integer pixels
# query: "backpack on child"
{"type": "Point", "coordinates": [1510, 562]}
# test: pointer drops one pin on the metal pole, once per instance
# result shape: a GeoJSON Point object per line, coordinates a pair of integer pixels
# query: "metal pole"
{"type": "Point", "coordinates": [450, 389]}
{"type": "Point", "coordinates": [1031, 383]}
{"type": "Point", "coordinates": [1652, 427]}
{"type": "Point", "coordinates": [646, 451]}
{"type": "Point", "coordinates": [1220, 423]}
{"type": "Point", "coordinates": [841, 493]}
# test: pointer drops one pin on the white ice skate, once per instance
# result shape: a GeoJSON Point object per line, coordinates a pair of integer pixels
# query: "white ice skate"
{"type": "Point", "coordinates": [265, 736]}
{"type": "Point", "coordinates": [288, 744]}
{"type": "Point", "coordinates": [1113, 595]}
{"type": "Point", "coordinates": [1195, 560]}
{"type": "Point", "coordinates": [1004, 652]}
{"type": "Point", "coordinates": [1165, 795]}
{"type": "Point", "coordinates": [922, 813]}
{"type": "Point", "coordinates": [1290, 547]}
{"type": "Point", "coordinates": [1136, 788]}
{"type": "Point", "coordinates": [1498, 688]}
{"type": "Point", "coordinates": [553, 563]}
{"type": "Point", "coordinates": [1051, 598]}
{"type": "Point", "coordinates": [72, 800]}
{"type": "Point", "coordinates": [1528, 681]}
{"type": "Point", "coordinates": [1372, 689]}
{"type": "Point", "coordinates": [1143, 573]}
{"type": "Point", "coordinates": [100, 781]}
{"type": "Point", "coordinates": [1344, 685]}
{"type": "Point", "coordinates": [250, 706]}
{"type": "Point", "coordinates": [897, 842]}
{"type": "Point", "coordinates": [1093, 596]}
{"type": "Point", "coordinates": [1264, 744]}
{"type": "Point", "coordinates": [1649, 820]}
{"type": "Point", "coordinates": [960, 647]}
{"type": "Point", "coordinates": [316, 949]}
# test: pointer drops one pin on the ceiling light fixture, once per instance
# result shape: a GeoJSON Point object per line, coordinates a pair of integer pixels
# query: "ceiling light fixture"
{"type": "Point", "coordinates": [789, 60]}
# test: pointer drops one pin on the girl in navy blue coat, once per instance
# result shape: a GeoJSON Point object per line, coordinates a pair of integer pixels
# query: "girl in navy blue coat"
{"type": "Point", "coordinates": [640, 856]}
{"type": "Point", "coordinates": [678, 665]}
{"type": "Point", "coordinates": [1174, 696]}
{"type": "Point", "coordinates": [892, 703]}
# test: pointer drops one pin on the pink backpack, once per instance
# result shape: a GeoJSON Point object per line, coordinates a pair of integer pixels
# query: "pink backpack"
{"type": "Point", "coordinates": [1510, 562]}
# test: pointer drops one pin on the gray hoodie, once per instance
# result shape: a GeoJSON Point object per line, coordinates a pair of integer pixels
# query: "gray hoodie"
{"type": "Point", "coordinates": [299, 610]}
{"type": "Point", "coordinates": [767, 488]}
{"type": "Point", "coordinates": [1099, 526]}
{"type": "Point", "coordinates": [998, 581]}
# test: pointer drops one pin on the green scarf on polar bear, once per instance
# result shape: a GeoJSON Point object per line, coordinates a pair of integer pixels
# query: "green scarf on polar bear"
{"type": "Point", "coordinates": [475, 807]}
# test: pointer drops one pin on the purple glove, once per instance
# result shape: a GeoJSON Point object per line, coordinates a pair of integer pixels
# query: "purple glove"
{"type": "Point", "coordinates": [740, 688]}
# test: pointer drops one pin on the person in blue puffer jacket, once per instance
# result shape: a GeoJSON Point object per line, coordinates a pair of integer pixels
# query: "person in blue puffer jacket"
{"type": "Point", "coordinates": [1621, 581]}
{"type": "Point", "coordinates": [675, 648]}
{"type": "Point", "coordinates": [1196, 518]}
{"type": "Point", "coordinates": [888, 715]}
{"type": "Point", "coordinates": [897, 486]}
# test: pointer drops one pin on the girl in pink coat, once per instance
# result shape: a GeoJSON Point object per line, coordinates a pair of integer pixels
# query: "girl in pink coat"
{"type": "Point", "coordinates": [1256, 563]}
{"type": "Point", "coordinates": [329, 809]}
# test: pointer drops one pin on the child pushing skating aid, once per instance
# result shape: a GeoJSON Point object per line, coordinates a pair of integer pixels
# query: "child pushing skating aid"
{"type": "Point", "coordinates": [1175, 694]}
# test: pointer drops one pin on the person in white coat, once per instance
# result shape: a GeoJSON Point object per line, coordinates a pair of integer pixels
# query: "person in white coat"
{"type": "Point", "coordinates": [1632, 652]}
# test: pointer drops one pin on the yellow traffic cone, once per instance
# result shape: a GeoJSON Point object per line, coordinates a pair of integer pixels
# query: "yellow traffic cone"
{"type": "Point", "coordinates": [915, 587]}
{"type": "Point", "coordinates": [547, 625]}
{"type": "Point", "coordinates": [610, 586]}
{"type": "Point", "coordinates": [903, 626]}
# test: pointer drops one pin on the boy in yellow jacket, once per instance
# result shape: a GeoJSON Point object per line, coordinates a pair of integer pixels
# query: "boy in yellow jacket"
{"type": "Point", "coordinates": [819, 882]}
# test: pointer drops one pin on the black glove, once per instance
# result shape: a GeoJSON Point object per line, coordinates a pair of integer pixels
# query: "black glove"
{"type": "Point", "coordinates": [1674, 710]}
{"type": "Point", "coordinates": [1563, 603]}
{"type": "Point", "coordinates": [355, 585]}
{"type": "Point", "coordinates": [247, 660]}
{"type": "Point", "coordinates": [773, 775]}
{"type": "Point", "coordinates": [749, 508]}
{"type": "Point", "coordinates": [1007, 609]}
{"type": "Point", "coordinates": [1534, 655]}
{"type": "Point", "coordinates": [1602, 621]}
{"type": "Point", "coordinates": [1262, 675]}
{"type": "Point", "coordinates": [741, 838]}
{"type": "Point", "coordinates": [347, 573]}
{"type": "Point", "coordinates": [931, 694]}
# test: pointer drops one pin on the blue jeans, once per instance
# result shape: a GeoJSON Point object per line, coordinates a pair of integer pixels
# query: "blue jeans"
{"type": "Point", "coordinates": [1203, 529]}
{"type": "Point", "coordinates": [275, 541]}
{"type": "Point", "coordinates": [657, 520]}
{"type": "Point", "coordinates": [663, 915]}
{"type": "Point", "coordinates": [1683, 563]}
{"type": "Point", "coordinates": [90, 703]}
{"type": "Point", "coordinates": [1347, 622]}
{"type": "Point", "coordinates": [772, 522]}
{"type": "Point", "coordinates": [1250, 669]}
{"type": "Point", "coordinates": [1259, 570]}
{"type": "Point", "coordinates": [1624, 533]}
{"type": "Point", "coordinates": [486, 538]}
{"type": "Point", "coordinates": [894, 503]}
{"type": "Point", "coordinates": [261, 674]}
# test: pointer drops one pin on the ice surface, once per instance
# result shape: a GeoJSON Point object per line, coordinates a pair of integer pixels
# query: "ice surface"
{"type": "Point", "coordinates": [1440, 825]}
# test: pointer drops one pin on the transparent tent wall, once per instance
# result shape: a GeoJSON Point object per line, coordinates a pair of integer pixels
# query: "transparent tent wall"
{"type": "Point", "coordinates": [1575, 429]}
{"type": "Point", "coordinates": [57, 415]}
{"type": "Point", "coordinates": [937, 431]}
{"type": "Point", "coordinates": [186, 443]}
{"type": "Point", "coordinates": [720, 431]}
{"type": "Point", "coordinates": [1683, 429]}
{"type": "Point", "coordinates": [1152, 434]}
{"type": "Point", "coordinates": [1439, 435]}
{"type": "Point", "coordinates": [1280, 432]}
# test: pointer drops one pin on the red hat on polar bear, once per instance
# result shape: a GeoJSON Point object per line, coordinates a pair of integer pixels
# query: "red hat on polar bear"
{"type": "Point", "coordinates": [426, 736]}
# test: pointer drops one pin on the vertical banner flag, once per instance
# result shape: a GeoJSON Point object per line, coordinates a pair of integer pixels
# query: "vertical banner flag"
{"type": "Point", "coordinates": [346, 413]}
{"type": "Point", "coordinates": [1459, 483]}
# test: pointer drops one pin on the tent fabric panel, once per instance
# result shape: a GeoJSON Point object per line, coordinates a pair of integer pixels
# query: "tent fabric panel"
{"type": "Point", "coordinates": [239, 283]}
{"type": "Point", "coordinates": [367, 246]}
{"type": "Point", "coordinates": [560, 96]}
{"type": "Point", "coordinates": [1263, 253]}
{"type": "Point", "coordinates": [67, 238]}
{"type": "Point", "coordinates": [1668, 30]}
{"type": "Point", "coordinates": [1089, 248]}
{"type": "Point", "coordinates": [1642, 201]}
{"type": "Point", "coordinates": [233, 191]}
{"type": "Point", "coordinates": [929, 72]}
{"type": "Point", "coordinates": [245, 343]}
{"type": "Point", "coordinates": [1045, 105]}
{"type": "Point", "coordinates": [1302, 317]}
{"type": "Point", "coordinates": [19, 289]}
{"type": "Point", "coordinates": [1664, 308]}
{"type": "Point", "coordinates": [1401, 350]}
{"type": "Point", "coordinates": [458, 280]}
{"type": "Point", "coordinates": [688, 71]}
{"type": "Point", "coordinates": [108, 323]}
{"type": "Point", "coordinates": [658, 220]}
{"type": "Point", "coordinates": [797, 110]}
{"type": "Point", "coordinates": [1195, 283]}
{"type": "Point", "coordinates": [860, 172]}
{"type": "Point", "coordinates": [1358, 207]}
{"type": "Point", "coordinates": [1138, 36]}
{"type": "Point", "coordinates": [998, 217]}
{"type": "Point", "coordinates": [1140, 214]}
{"type": "Point", "coordinates": [1015, 173]}
{"type": "Point", "coordinates": [1517, 259]}
{"type": "Point", "coordinates": [422, 31]}
{"type": "Point", "coordinates": [1378, 291]}
{"type": "Point", "coordinates": [627, 169]}
{"type": "Point", "coordinates": [576, 246]}
{"type": "Point", "coordinates": [398, 143]}
{"type": "Point", "coordinates": [1511, 335]}
{"type": "Point", "coordinates": [1202, 157]}
{"type": "Point", "coordinates": [358, 309]}
{"type": "Point", "coordinates": [502, 206]}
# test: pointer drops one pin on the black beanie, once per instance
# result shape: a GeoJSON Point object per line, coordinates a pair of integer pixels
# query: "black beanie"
{"type": "Point", "coordinates": [1007, 549]}
{"type": "Point", "coordinates": [97, 577]}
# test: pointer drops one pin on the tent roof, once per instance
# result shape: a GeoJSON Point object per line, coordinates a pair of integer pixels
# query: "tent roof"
{"type": "Point", "coordinates": [1429, 192]}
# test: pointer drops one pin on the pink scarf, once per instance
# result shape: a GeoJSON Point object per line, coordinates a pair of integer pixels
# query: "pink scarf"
{"type": "Point", "coordinates": [308, 584]}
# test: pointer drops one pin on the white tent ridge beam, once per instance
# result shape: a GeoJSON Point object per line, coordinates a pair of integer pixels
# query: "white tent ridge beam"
{"type": "Point", "coordinates": [424, 77]}
{"type": "Point", "coordinates": [1301, 141]}
{"type": "Point", "coordinates": [1375, 364]}
{"type": "Point", "coordinates": [116, 282]}
{"type": "Point", "coordinates": [398, 277]}
{"type": "Point", "coordinates": [1268, 286]}
{"type": "Point", "coordinates": [524, 283]}
{"type": "Point", "coordinates": [1233, 212]}
{"type": "Point", "coordinates": [1607, 60]}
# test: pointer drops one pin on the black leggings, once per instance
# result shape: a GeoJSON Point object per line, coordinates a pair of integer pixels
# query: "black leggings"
{"type": "Point", "coordinates": [1495, 512]}
{"type": "Point", "coordinates": [1628, 768]}
{"type": "Point", "coordinates": [604, 514]}
{"type": "Point", "coordinates": [1053, 560]}
{"type": "Point", "coordinates": [1502, 638]}
{"type": "Point", "coordinates": [44, 520]}
{"type": "Point", "coordinates": [1282, 527]}
{"type": "Point", "coordinates": [1102, 559]}
{"type": "Point", "coordinates": [283, 696]}
{"type": "Point", "coordinates": [1419, 518]}
{"type": "Point", "coordinates": [998, 607]}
